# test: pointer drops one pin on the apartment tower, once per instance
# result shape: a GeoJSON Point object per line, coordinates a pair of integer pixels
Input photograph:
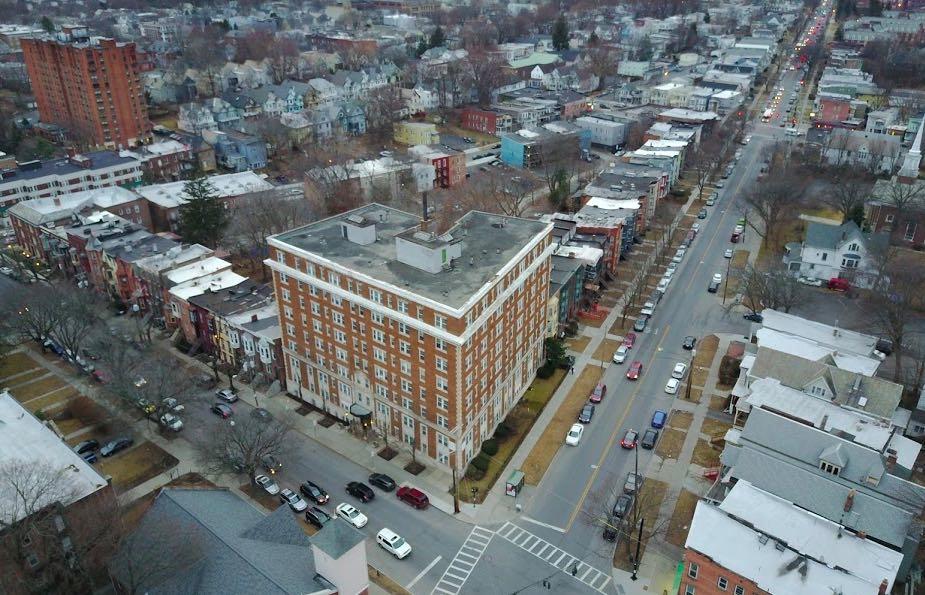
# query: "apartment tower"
{"type": "Point", "coordinates": [88, 85]}
{"type": "Point", "coordinates": [431, 337]}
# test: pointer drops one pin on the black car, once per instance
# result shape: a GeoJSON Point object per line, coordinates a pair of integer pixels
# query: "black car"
{"type": "Point", "coordinates": [587, 412]}
{"type": "Point", "coordinates": [89, 457]}
{"type": "Point", "coordinates": [86, 446]}
{"type": "Point", "coordinates": [713, 286]}
{"type": "Point", "coordinates": [649, 439]}
{"type": "Point", "coordinates": [702, 214]}
{"type": "Point", "coordinates": [360, 490]}
{"type": "Point", "coordinates": [623, 506]}
{"type": "Point", "coordinates": [313, 492]}
{"type": "Point", "coordinates": [316, 516]}
{"type": "Point", "coordinates": [610, 530]}
{"type": "Point", "coordinates": [382, 481]}
{"type": "Point", "coordinates": [689, 342]}
{"type": "Point", "coordinates": [114, 446]}
{"type": "Point", "coordinates": [753, 317]}
{"type": "Point", "coordinates": [261, 414]}
{"type": "Point", "coordinates": [640, 324]}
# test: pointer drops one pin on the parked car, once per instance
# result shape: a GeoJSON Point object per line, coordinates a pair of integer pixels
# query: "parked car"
{"type": "Point", "coordinates": [632, 484]}
{"type": "Point", "coordinates": [597, 395]}
{"type": "Point", "coordinates": [313, 492]}
{"type": "Point", "coordinates": [679, 370]}
{"type": "Point", "coordinates": [393, 543]}
{"type": "Point", "coordinates": [317, 517]}
{"type": "Point", "coordinates": [671, 387]}
{"type": "Point", "coordinates": [351, 515]}
{"type": "Point", "coordinates": [86, 446]}
{"type": "Point", "coordinates": [171, 404]}
{"type": "Point", "coordinates": [295, 501]}
{"type": "Point", "coordinates": [753, 317]}
{"type": "Point", "coordinates": [702, 214]}
{"type": "Point", "coordinates": [610, 531]}
{"type": "Point", "coordinates": [634, 370]}
{"type": "Point", "coordinates": [586, 413]}
{"type": "Point", "coordinates": [658, 419]}
{"type": "Point", "coordinates": [271, 464]}
{"type": "Point", "coordinates": [629, 439]}
{"type": "Point", "coordinates": [649, 439]}
{"type": "Point", "coordinates": [269, 486]}
{"type": "Point", "coordinates": [727, 253]}
{"type": "Point", "coordinates": [663, 284]}
{"type": "Point", "coordinates": [640, 324]}
{"type": "Point", "coordinates": [171, 422]}
{"type": "Point", "coordinates": [574, 434]}
{"type": "Point", "coordinates": [811, 281]}
{"type": "Point", "coordinates": [689, 342]}
{"type": "Point", "coordinates": [629, 340]}
{"type": "Point", "coordinates": [382, 481]}
{"type": "Point", "coordinates": [261, 414]}
{"type": "Point", "coordinates": [623, 506]}
{"type": "Point", "coordinates": [114, 446]}
{"type": "Point", "coordinates": [713, 287]}
{"type": "Point", "coordinates": [619, 356]}
{"type": "Point", "coordinates": [884, 346]}
{"type": "Point", "coordinates": [839, 284]}
{"type": "Point", "coordinates": [717, 277]}
{"type": "Point", "coordinates": [413, 497]}
{"type": "Point", "coordinates": [100, 376]}
{"type": "Point", "coordinates": [227, 395]}
{"type": "Point", "coordinates": [206, 381]}
{"type": "Point", "coordinates": [360, 490]}
{"type": "Point", "coordinates": [222, 410]}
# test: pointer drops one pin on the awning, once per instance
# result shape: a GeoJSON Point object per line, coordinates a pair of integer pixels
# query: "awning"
{"type": "Point", "coordinates": [358, 410]}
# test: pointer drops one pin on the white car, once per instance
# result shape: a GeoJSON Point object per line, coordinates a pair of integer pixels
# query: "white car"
{"type": "Point", "coordinates": [717, 278]}
{"type": "Point", "coordinates": [351, 515]}
{"type": "Point", "coordinates": [393, 543]}
{"type": "Point", "coordinates": [727, 253]}
{"type": "Point", "coordinates": [574, 434]}
{"type": "Point", "coordinates": [171, 422]}
{"type": "Point", "coordinates": [695, 227]}
{"type": "Point", "coordinates": [679, 369]}
{"type": "Point", "coordinates": [663, 285]}
{"type": "Point", "coordinates": [6, 271]}
{"type": "Point", "coordinates": [672, 266]}
{"type": "Point", "coordinates": [681, 252]}
{"type": "Point", "coordinates": [669, 273]}
{"type": "Point", "coordinates": [811, 281]}
{"type": "Point", "coordinates": [672, 387]}
{"type": "Point", "coordinates": [295, 501]}
{"type": "Point", "coordinates": [269, 486]}
{"type": "Point", "coordinates": [619, 356]}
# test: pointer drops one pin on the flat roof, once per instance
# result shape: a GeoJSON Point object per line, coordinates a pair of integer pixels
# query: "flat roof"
{"type": "Point", "coordinates": [171, 194]}
{"type": "Point", "coordinates": [44, 210]}
{"type": "Point", "coordinates": [214, 282]}
{"type": "Point", "coordinates": [824, 334]}
{"type": "Point", "coordinates": [200, 268]}
{"type": "Point", "coordinates": [64, 167]}
{"type": "Point", "coordinates": [24, 439]}
{"type": "Point", "coordinates": [811, 350]}
{"type": "Point", "coordinates": [489, 247]}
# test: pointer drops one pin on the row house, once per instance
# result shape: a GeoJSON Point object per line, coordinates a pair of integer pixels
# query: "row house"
{"type": "Point", "coordinates": [449, 165]}
{"type": "Point", "coordinates": [183, 283]}
{"type": "Point", "coordinates": [486, 121]}
{"type": "Point", "coordinates": [429, 338]}
{"type": "Point", "coordinates": [165, 160]}
{"type": "Point", "coordinates": [237, 151]}
{"type": "Point", "coordinates": [151, 275]}
{"type": "Point", "coordinates": [44, 179]}
{"type": "Point", "coordinates": [116, 256]}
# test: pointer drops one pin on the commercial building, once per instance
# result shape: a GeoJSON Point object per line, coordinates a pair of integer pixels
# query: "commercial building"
{"type": "Point", "coordinates": [430, 337]}
{"type": "Point", "coordinates": [89, 85]}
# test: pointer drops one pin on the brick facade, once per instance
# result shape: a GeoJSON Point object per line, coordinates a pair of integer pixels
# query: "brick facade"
{"type": "Point", "coordinates": [702, 576]}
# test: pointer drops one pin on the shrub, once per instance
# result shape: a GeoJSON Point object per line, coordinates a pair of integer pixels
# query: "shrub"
{"type": "Point", "coordinates": [546, 370]}
{"type": "Point", "coordinates": [729, 370]}
{"type": "Point", "coordinates": [480, 462]}
{"type": "Point", "coordinates": [490, 447]}
{"type": "Point", "coordinates": [474, 474]}
{"type": "Point", "coordinates": [503, 430]}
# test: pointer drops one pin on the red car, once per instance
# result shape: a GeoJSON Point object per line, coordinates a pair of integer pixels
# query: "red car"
{"type": "Point", "coordinates": [413, 496]}
{"type": "Point", "coordinates": [629, 439]}
{"type": "Point", "coordinates": [629, 340]}
{"type": "Point", "coordinates": [635, 370]}
{"type": "Point", "coordinates": [597, 395]}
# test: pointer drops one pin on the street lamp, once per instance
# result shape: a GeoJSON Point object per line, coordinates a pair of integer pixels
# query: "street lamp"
{"type": "Point", "coordinates": [690, 375]}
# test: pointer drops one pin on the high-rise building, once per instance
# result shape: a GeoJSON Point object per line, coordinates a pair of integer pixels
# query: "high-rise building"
{"type": "Point", "coordinates": [89, 85]}
{"type": "Point", "coordinates": [431, 337]}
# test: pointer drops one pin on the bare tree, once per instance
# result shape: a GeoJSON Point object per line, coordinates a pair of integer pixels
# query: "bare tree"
{"type": "Point", "coordinates": [601, 62]}
{"type": "Point", "coordinates": [203, 51]}
{"type": "Point", "coordinates": [264, 214]}
{"type": "Point", "coordinates": [283, 58]}
{"type": "Point", "coordinates": [771, 203]}
{"type": "Point", "coordinates": [847, 193]}
{"type": "Point", "coordinates": [382, 107]}
{"type": "Point", "coordinates": [76, 318]}
{"type": "Point", "coordinates": [486, 70]}
{"type": "Point", "coordinates": [895, 302]}
{"type": "Point", "coordinates": [705, 161]}
{"type": "Point", "coordinates": [38, 312]}
{"type": "Point", "coordinates": [242, 446]}
{"type": "Point", "coordinates": [776, 288]}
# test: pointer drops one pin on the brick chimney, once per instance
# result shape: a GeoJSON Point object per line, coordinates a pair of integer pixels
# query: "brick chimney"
{"type": "Point", "coordinates": [849, 501]}
{"type": "Point", "coordinates": [883, 585]}
{"type": "Point", "coordinates": [890, 459]}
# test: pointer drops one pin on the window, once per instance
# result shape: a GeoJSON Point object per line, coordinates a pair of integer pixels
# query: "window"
{"type": "Point", "coordinates": [910, 231]}
{"type": "Point", "coordinates": [337, 317]}
{"type": "Point", "coordinates": [378, 336]}
{"type": "Point", "coordinates": [825, 256]}
{"type": "Point", "coordinates": [829, 468]}
{"type": "Point", "coordinates": [333, 278]}
{"type": "Point", "coordinates": [316, 309]}
{"type": "Point", "coordinates": [441, 364]}
{"type": "Point", "coordinates": [439, 321]}
{"type": "Point", "coordinates": [442, 403]}
{"type": "Point", "coordinates": [722, 583]}
{"type": "Point", "coordinates": [440, 344]}
{"type": "Point", "coordinates": [689, 590]}
{"type": "Point", "coordinates": [849, 263]}
{"type": "Point", "coordinates": [853, 247]}
{"type": "Point", "coordinates": [404, 347]}
{"type": "Point", "coordinates": [376, 317]}
{"type": "Point", "coordinates": [407, 388]}
{"type": "Point", "coordinates": [739, 590]}
{"type": "Point", "coordinates": [403, 306]}
{"type": "Point", "coordinates": [442, 422]}
{"type": "Point", "coordinates": [375, 296]}
{"type": "Point", "coordinates": [692, 570]}
{"type": "Point", "coordinates": [336, 300]}
{"type": "Point", "coordinates": [442, 384]}
{"type": "Point", "coordinates": [340, 337]}
{"type": "Point", "coordinates": [405, 367]}
{"type": "Point", "coordinates": [281, 257]}
{"type": "Point", "coordinates": [283, 278]}
{"type": "Point", "coordinates": [380, 355]}
{"type": "Point", "coordinates": [285, 294]}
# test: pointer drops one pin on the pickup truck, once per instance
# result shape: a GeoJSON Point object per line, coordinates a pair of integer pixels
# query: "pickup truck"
{"type": "Point", "coordinates": [648, 309]}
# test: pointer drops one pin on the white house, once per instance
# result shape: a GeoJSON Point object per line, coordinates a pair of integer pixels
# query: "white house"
{"type": "Point", "coordinates": [879, 153]}
{"type": "Point", "coordinates": [830, 251]}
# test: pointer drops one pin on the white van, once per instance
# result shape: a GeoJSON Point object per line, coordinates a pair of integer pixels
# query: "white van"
{"type": "Point", "coordinates": [792, 132]}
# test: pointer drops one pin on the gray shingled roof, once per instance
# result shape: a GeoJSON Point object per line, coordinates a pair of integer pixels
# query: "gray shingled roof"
{"type": "Point", "coordinates": [337, 538]}
{"type": "Point", "coordinates": [234, 547]}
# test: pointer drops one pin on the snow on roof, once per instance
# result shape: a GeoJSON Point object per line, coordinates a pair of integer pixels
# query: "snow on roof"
{"type": "Point", "coordinates": [171, 194]}
{"type": "Point", "coordinates": [812, 535]}
{"type": "Point", "coordinates": [611, 204]}
{"type": "Point", "coordinates": [739, 548]}
{"type": "Point", "coordinates": [664, 144]}
{"type": "Point", "coordinates": [25, 439]}
{"type": "Point", "coordinates": [824, 334]}
{"type": "Point", "coordinates": [167, 147]}
{"type": "Point", "coordinates": [214, 282]}
{"type": "Point", "coordinates": [172, 257]}
{"type": "Point", "coordinates": [811, 350]}
{"type": "Point", "coordinates": [587, 254]}
{"type": "Point", "coordinates": [200, 268]}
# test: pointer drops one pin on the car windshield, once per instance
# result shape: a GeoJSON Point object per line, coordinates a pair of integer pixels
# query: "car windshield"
{"type": "Point", "coordinates": [398, 542]}
{"type": "Point", "coordinates": [352, 512]}
{"type": "Point", "coordinates": [573, 433]}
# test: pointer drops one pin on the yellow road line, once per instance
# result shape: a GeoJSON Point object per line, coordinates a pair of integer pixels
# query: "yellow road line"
{"type": "Point", "coordinates": [618, 427]}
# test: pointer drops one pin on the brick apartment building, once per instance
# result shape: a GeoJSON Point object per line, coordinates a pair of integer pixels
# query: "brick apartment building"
{"type": "Point", "coordinates": [449, 165]}
{"type": "Point", "coordinates": [486, 121]}
{"type": "Point", "coordinates": [89, 85]}
{"type": "Point", "coordinates": [432, 338]}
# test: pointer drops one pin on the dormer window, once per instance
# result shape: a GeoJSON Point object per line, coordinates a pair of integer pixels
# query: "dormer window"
{"type": "Point", "coordinates": [829, 468]}
{"type": "Point", "coordinates": [854, 247]}
{"type": "Point", "coordinates": [818, 391]}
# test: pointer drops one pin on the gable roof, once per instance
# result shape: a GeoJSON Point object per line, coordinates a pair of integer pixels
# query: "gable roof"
{"type": "Point", "coordinates": [830, 237]}
{"type": "Point", "coordinates": [235, 547]}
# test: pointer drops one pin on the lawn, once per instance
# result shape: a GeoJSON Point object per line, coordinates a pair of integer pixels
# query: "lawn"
{"type": "Point", "coordinates": [577, 344]}
{"type": "Point", "coordinates": [739, 260]}
{"type": "Point", "coordinates": [37, 388]}
{"type": "Point", "coordinates": [520, 420]}
{"type": "Point", "coordinates": [694, 396]}
{"type": "Point", "coordinates": [681, 518]}
{"type": "Point", "coordinates": [56, 399]}
{"type": "Point", "coordinates": [260, 496]}
{"type": "Point", "coordinates": [554, 435]}
{"type": "Point", "coordinates": [16, 363]}
{"type": "Point", "coordinates": [698, 377]}
{"type": "Point", "coordinates": [680, 420]}
{"type": "Point", "coordinates": [706, 351]}
{"type": "Point", "coordinates": [718, 403]}
{"type": "Point", "coordinates": [705, 455]}
{"type": "Point", "coordinates": [649, 502]}
{"type": "Point", "coordinates": [669, 443]}
{"type": "Point", "coordinates": [69, 426]}
{"type": "Point", "coordinates": [134, 467]}
{"type": "Point", "coordinates": [24, 377]}
{"type": "Point", "coordinates": [604, 351]}
{"type": "Point", "coordinates": [714, 427]}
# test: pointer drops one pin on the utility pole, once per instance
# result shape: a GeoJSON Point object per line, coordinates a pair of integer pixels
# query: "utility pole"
{"type": "Point", "coordinates": [455, 494]}
{"type": "Point", "coordinates": [690, 375]}
{"type": "Point", "coordinates": [726, 284]}
{"type": "Point", "coordinates": [638, 547]}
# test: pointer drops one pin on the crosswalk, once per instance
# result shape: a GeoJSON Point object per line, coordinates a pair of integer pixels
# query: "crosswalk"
{"type": "Point", "coordinates": [554, 556]}
{"type": "Point", "coordinates": [466, 558]}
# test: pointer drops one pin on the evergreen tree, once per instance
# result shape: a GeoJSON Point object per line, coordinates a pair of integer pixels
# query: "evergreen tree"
{"type": "Point", "coordinates": [437, 38]}
{"type": "Point", "coordinates": [422, 47]}
{"type": "Point", "coordinates": [560, 34]}
{"type": "Point", "coordinates": [593, 39]}
{"type": "Point", "coordinates": [203, 218]}
{"type": "Point", "coordinates": [48, 25]}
